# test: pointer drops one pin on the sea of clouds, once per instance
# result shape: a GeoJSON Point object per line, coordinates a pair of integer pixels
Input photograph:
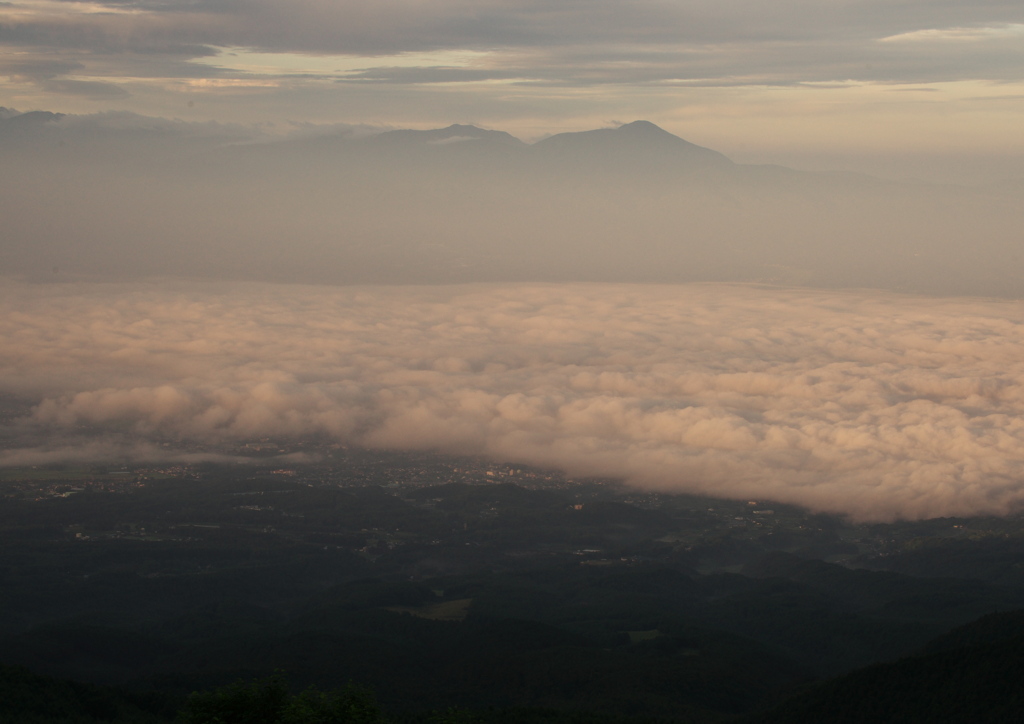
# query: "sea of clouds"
{"type": "Point", "coordinates": [861, 402]}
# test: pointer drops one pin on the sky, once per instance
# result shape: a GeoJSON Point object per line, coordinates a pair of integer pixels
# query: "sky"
{"type": "Point", "coordinates": [907, 88]}
{"type": "Point", "coordinates": [219, 243]}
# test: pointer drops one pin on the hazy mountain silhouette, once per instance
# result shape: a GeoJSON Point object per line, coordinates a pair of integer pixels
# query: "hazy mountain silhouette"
{"type": "Point", "coordinates": [20, 128]}
{"type": "Point", "coordinates": [460, 204]}
{"type": "Point", "coordinates": [31, 119]}
{"type": "Point", "coordinates": [453, 134]}
{"type": "Point", "coordinates": [636, 143]}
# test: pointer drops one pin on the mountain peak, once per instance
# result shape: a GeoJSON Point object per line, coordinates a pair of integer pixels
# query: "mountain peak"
{"type": "Point", "coordinates": [465, 128]}
{"type": "Point", "coordinates": [30, 118]}
{"type": "Point", "coordinates": [641, 127]}
{"type": "Point", "coordinates": [454, 133]}
{"type": "Point", "coordinates": [639, 141]}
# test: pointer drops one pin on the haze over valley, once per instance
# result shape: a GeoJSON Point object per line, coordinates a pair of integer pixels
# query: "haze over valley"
{"type": "Point", "coordinates": [117, 196]}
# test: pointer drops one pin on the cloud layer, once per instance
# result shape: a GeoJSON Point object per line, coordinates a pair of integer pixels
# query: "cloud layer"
{"type": "Point", "coordinates": [664, 40]}
{"type": "Point", "coordinates": [874, 405]}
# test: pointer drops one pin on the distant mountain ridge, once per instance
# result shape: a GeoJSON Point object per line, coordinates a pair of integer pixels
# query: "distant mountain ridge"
{"type": "Point", "coordinates": [639, 140]}
{"type": "Point", "coordinates": [455, 133]}
{"type": "Point", "coordinates": [639, 143]}
{"type": "Point", "coordinates": [634, 203]}
{"type": "Point", "coordinates": [11, 120]}
{"type": "Point", "coordinates": [636, 142]}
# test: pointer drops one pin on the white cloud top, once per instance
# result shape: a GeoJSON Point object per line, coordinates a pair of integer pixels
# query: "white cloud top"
{"type": "Point", "coordinates": [870, 404]}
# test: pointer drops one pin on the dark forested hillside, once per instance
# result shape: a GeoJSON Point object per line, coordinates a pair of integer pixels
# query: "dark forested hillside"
{"type": "Point", "coordinates": [441, 583]}
{"type": "Point", "coordinates": [973, 674]}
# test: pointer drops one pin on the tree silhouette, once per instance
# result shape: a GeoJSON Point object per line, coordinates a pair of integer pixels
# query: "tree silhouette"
{"type": "Point", "coordinates": [269, 701]}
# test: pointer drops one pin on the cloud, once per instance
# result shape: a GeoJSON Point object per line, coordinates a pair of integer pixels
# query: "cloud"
{"type": "Point", "coordinates": [36, 69]}
{"type": "Point", "coordinates": [972, 35]}
{"type": "Point", "coordinates": [648, 41]}
{"type": "Point", "coordinates": [386, 26]}
{"type": "Point", "coordinates": [875, 405]}
{"type": "Point", "coordinates": [87, 88]}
